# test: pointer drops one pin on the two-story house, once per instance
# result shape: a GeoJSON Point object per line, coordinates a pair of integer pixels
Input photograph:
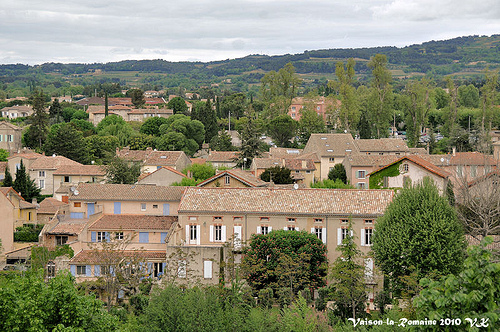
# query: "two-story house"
{"type": "Point", "coordinates": [10, 137]}
{"type": "Point", "coordinates": [42, 172]}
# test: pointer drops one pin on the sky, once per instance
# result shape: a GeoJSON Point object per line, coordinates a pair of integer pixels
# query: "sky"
{"type": "Point", "coordinates": [88, 31]}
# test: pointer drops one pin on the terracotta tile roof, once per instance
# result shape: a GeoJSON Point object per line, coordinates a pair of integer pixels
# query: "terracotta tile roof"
{"type": "Point", "coordinates": [26, 205]}
{"type": "Point", "coordinates": [472, 158]}
{"type": "Point", "coordinates": [243, 176]}
{"type": "Point", "coordinates": [285, 201]}
{"type": "Point", "coordinates": [52, 162]}
{"type": "Point", "coordinates": [127, 192]}
{"type": "Point", "coordinates": [19, 108]}
{"type": "Point", "coordinates": [313, 156]}
{"type": "Point", "coordinates": [6, 190]}
{"type": "Point", "coordinates": [330, 145]}
{"type": "Point", "coordinates": [493, 174]}
{"type": "Point", "coordinates": [68, 226]}
{"type": "Point", "coordinates": [151, 111]}
{"type": "Point", "coordinates": [292, 164]}
{"type": "Point", "coordinates": [199, 161]}
{"type": "Point", "coordinates": [163, 158]}
{"type": "Point", "coordinates": [133, 222]}
{"type": "Point", "coordinates": [167, 168]}
{"type": "Point", "coordinates": [263, 163]}
{"type": "Point", "coordinates": [26, 155]}
{"type": "Point", "coordinates": [50, 206]}
{"type": "Point", "coordinates": [96, 257]}
{"type": "Point", "coordinates": [382, 145]}
{"type": "Point", "coordinates": [421, 162]}
{"type": "Point", "coordinates": [135, 155]}
{"type": "Point", "coordinates": [222, 156]}
{"type": "Point", "coordinates": [372, 160]}
{"type": "Point", "coordinates": [80, 170]}
{"type": "Point", "coordinates": [10, 125]}
{"type": "Point", "coordinates": [419, 151]}
{"type": "Point", "coordinates": [437, 159]}
{"type": "Point", "coordinates": [284, 152]}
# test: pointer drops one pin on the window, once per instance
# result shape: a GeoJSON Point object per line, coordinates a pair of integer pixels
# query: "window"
{"type": "Point", "coordinates": [218, 232]}
{"type": "Point", "coordinates": [264, 230]}
{"type": "Point", "coordinates": [227, 180]}
{"type": "Point", "coordinates": [41, 184]}
{"type": "Point", "coordinates": [77, 204]}
{"type": "Point", "coordinates": [61, 240]}
{"type": "Point", "coordinates": [41, 174]}
{"type": "Point", "coordinates": [368, 236]}
{"type": "Point", "coordinates": [51, 269]}
{"type": "Point", "coordinates": [143, 206]}
{"type": "Point", "coordinates": [157, 269]}
{"type": "Point", "coordinates": [361, 185]}
{"type": "Point", "coordinates": [192, 232]}
{"type": "Point", "coordinates": [405, 167]}
{"type": "Point", "coordinates": [291, 219]}
{"type": "Point", "coordinates": [308, 172]}
{"type": "Point", "coordinates": [264, 219]}
{"type": "Point", "coordinates": [66, 179]}
{"type": "Point", "coordinates": [345, 232]}
{"type": "Point", "coordinates": [332, 159]}
{"type": "Point", "coordinates": [368, 221]}
{"type": "Point", "coordinates": [291, 228]}
{"type": "Point", "coordinates": [102, 236]}
{"type": "Point", "coordinates": [344, 221]}
{"type": "Point", "coordinates": [207, 269]}
{"type": "Point", "coordinates": [317, 108]}
{"type": "Point", "coordinates": [237, 219]}
{"type": "Point", "coordinates": [10, 138]}
{"type": "Point", "coordinates": [119, 236]}
{"type": "Point", "coordinates": [318, 220]}
{"type": "Point", "coordinates": [155, 206]}
{"type": "Point", "coordinates": [361, 174]}
{"type": "Point", "coordinates": [318, 231]}
{"type": "Point", "coordinates": [81, 270]}
{"type": "Point", "coordinates": [18, 166]}
{"type": "Point", "coordinates": [369, 268]}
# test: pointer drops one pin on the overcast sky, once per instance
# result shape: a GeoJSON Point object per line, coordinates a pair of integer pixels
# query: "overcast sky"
{"type": "Point", "coordinates": [86, 31]}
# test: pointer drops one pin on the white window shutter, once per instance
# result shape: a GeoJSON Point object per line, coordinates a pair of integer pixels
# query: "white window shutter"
{"type": "Point", "coordinates": [313, 230]}
{"type": "Point", "coordinates": [363, 237]}
{"type": "Point", "coordinates": [211, 233]}
{"type": "Point", "coordinates": [187, 234]}
{"type": "Point", "coordinates": [237, 232]}
{"type": "Point", "coordinates": [198, 234]}
{"type": "Point", "coordinates": [297, 229]}
{"type": "Point", "coordinates": [339, 236]}
{"type": "Point", "coordinates": [223, 233]}
{"type": "Point", "coordinates": [352, 233]}
{"type": "Point", "coordinates": [207, 269]}
{"type": "Point", "coordinates": [323, 235]}
{"type": "Point", "coordinates": [259, 230]}
{"type": "Point", "coordinates": [270, 228]}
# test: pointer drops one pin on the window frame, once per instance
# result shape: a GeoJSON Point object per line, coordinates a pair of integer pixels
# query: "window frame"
{"type": "Point", "coordinates": [81, 268]}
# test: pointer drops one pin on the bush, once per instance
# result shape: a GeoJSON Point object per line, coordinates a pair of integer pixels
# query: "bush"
{"type": "Point", "coordinates": [266, 297]}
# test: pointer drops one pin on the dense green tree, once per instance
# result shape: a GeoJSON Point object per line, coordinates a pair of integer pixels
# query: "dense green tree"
{"type": "Point", "coordinates": [277, 174]}
{"type": "Point", "coordinates": [7, 179]}
{"type": "Point", "coordinates": [250, 141]}
{"type": "Point", "coordinates": [206, 115]}
{"type": "Point", "coordinates": [488, 100]}
{"type": "Point", "coordinates": [380, 99]}
{"type": "Point", "coordinates": [348, 288]}
{"type": "Point", "coordinates": [142, 142]}
{"type": "Point", "coordinates": [441, 98]}
{"type": "Point", "coordinates": [114, 125]}
{"type": "Point", "coordinates": [282, 129]}
{"type": "Point", "coordinates": [176, 141]}
{"type": "Point", "coordinates": [222, 142]}
{"type": "Point", "coordinates": [33, 304]}
{"type": "Point", "coordinates": [470, 295]}
{"type": "Point", "coordinates": [468, 96]}
{"type": "Point", "coordinates": [101, 148]}
{"type": "Point", "coordinates": [119, 170]}
{"type": "Point", "coordinates": [234, 104]}
{"type": "Point", "coordinates": [86, 127]}
{"type": "Point", "coordinates": [310, 123]}
{"type": "Point", "coordinates": [331, 184]}
{"type": "Point", "coordinates": [24, 185]}
{"type": "Point", "coordinates": [178, 105]}
{"type": "Point", "coordinates": [290, 259]}
{"type": "Point", "coordinates": [35, 136]}
{"type": "Point", "coordinates": [4, 154]}
{"type": "Point", "coordinates": [418, 109]}
{"type": "Point", "coordinates": [364, 128]}
{"type": "Point", "coordinates": [191, 129]}
{"type": "Point", "coordinates": [419, 232]}
{"type": "Point", "coordinates": [65, 140]}
{"type": "Point", "coordinates": [349, 109]}
{"type": "Point", "coordinates": [137, 96]}
{"type": "Point", "coordinates": [279, 88]}
{"type": "Point", "coordinates": [152, 125]}
{"type": "Point", "coordinates": [338, 172]}
{"type": "Point", "coordinates": [55, 110]}
{"type": "Point", "coordinates": [200, 172]}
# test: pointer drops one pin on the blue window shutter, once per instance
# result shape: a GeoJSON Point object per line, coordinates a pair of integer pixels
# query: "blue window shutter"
{"type": "Point", "coordinates": [158, 167]}
{"type": "Point", "coordinates": [97, 270]}
{"type": "Point", "coordinates": [166, 209]}
{"type": "Point", "coordinates": [118, 208]}
{"type": "Point", "coordinates": [92, 236]}
{"type": "Point", "coordinates": [150, 269]}
{"type": "Point", "coordinates": [106, 236]}
{"type": "Point", "coordinates": [144, 237]}
{"type": "Point", "coordinates": [163, 236]}
{"type": "Point", "coordinates": [90, 209]}
{"type": "Point", "coordinates": [112, 270]}
{"type": "Point", "coordinates": [163, 267]}
{"type": "Point", "coordinates": [88, 271]}
{"type": "Point", "coordinates": [73, 270]}
{"type": "Point", "coordinates": [76, 215]}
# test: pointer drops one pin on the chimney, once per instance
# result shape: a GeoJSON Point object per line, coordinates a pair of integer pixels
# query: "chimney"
{"type": "Point", "coordinates": [454, 151]}
{"type": "Point", "coordinates": [34, 201]}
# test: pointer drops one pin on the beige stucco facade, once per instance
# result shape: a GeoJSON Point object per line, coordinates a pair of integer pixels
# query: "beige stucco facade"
{"type": "Point", "coordinates": [7, 219]}
{"type": "Point", "coordinates": [10, 137]}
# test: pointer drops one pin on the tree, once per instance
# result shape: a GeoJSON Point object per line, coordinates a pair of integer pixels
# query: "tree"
{"type": "Point", "coordinates": [417, 110]}
{"type": "Point", "coordinates": [310, 123]}
{"type": "Point", "coordinates": [282, 129]}
{"type": "Point", "coordinates": [137, 96]}
{"type": "Point", "coordinates": [101, 148]}
{"type": "Point", "coordinates": [54, 305]}
{"type": "Point", "coordinates": [277, 174]}
{"type": "Point", "coordinates": [152, 126]}
{"type": "Point", "coordinates": [39, 121]}
{"type": "Point", "coordinates": [55, 110]}
{"type": "Point", "coordinates": [331, 184]}
{"type": "Point", "coordinates": [123, 171]}
{"type": "Point", "coordinates": [207, 116]}
{"type": "Point", "coordinates": [24, 185]}
{"type": "Point", "coordinates": [4, 154]}
{"type": "Point", "coordinates": [191, 129]}
{"type": "Point", "coordinates": [233, 104]}
{"type": "Point", "coordinates": [488, 100]}
{"type": "Point", "coordinates": [380, 94]}
{"type": "Point", "coordinates": [279, 88]}
{"type": "Point", "coordinates": [419, 232]}
{"type": "Point", "coordinates": [250, 141]}
{"type": "Point", "coordinates": [106, 105]}
{"type": "Point", "coordinates": [348, 276]}
{"type": "Point", "coordinates": [349, 109]}
{"type": "Point", "coordinates": [468, 96]}
{"type": "Point", "coordinates": [175, 141]}
{"type": "Point", "coordinates": [114, 125]}
{"type": "Point", "coordinates": [200, 172]}
{"type": "Point", "coordinates": [471, 295]}
{"type": "Point", "coordinates": [222, 142]}
{"type": "Point", "coordinates": [178, 105]}
{"type": "Point", "coordinates": [65, 140]}
{"type": "Point", "coordinates": [338, 172]}
{"type": "Point", "coordinates": [7, 179]}
{"type": "Point", "coordinates": [267, 254]}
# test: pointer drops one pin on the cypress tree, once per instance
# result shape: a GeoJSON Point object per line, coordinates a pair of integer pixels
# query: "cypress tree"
{"type": "Point", "coordinates": [24, 185]}
{"type": "Point", "coordinates": [7, 181]}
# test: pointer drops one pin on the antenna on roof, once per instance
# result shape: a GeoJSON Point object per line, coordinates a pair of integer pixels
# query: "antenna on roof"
{"type": "Point", "coordinates": [76, 193]}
